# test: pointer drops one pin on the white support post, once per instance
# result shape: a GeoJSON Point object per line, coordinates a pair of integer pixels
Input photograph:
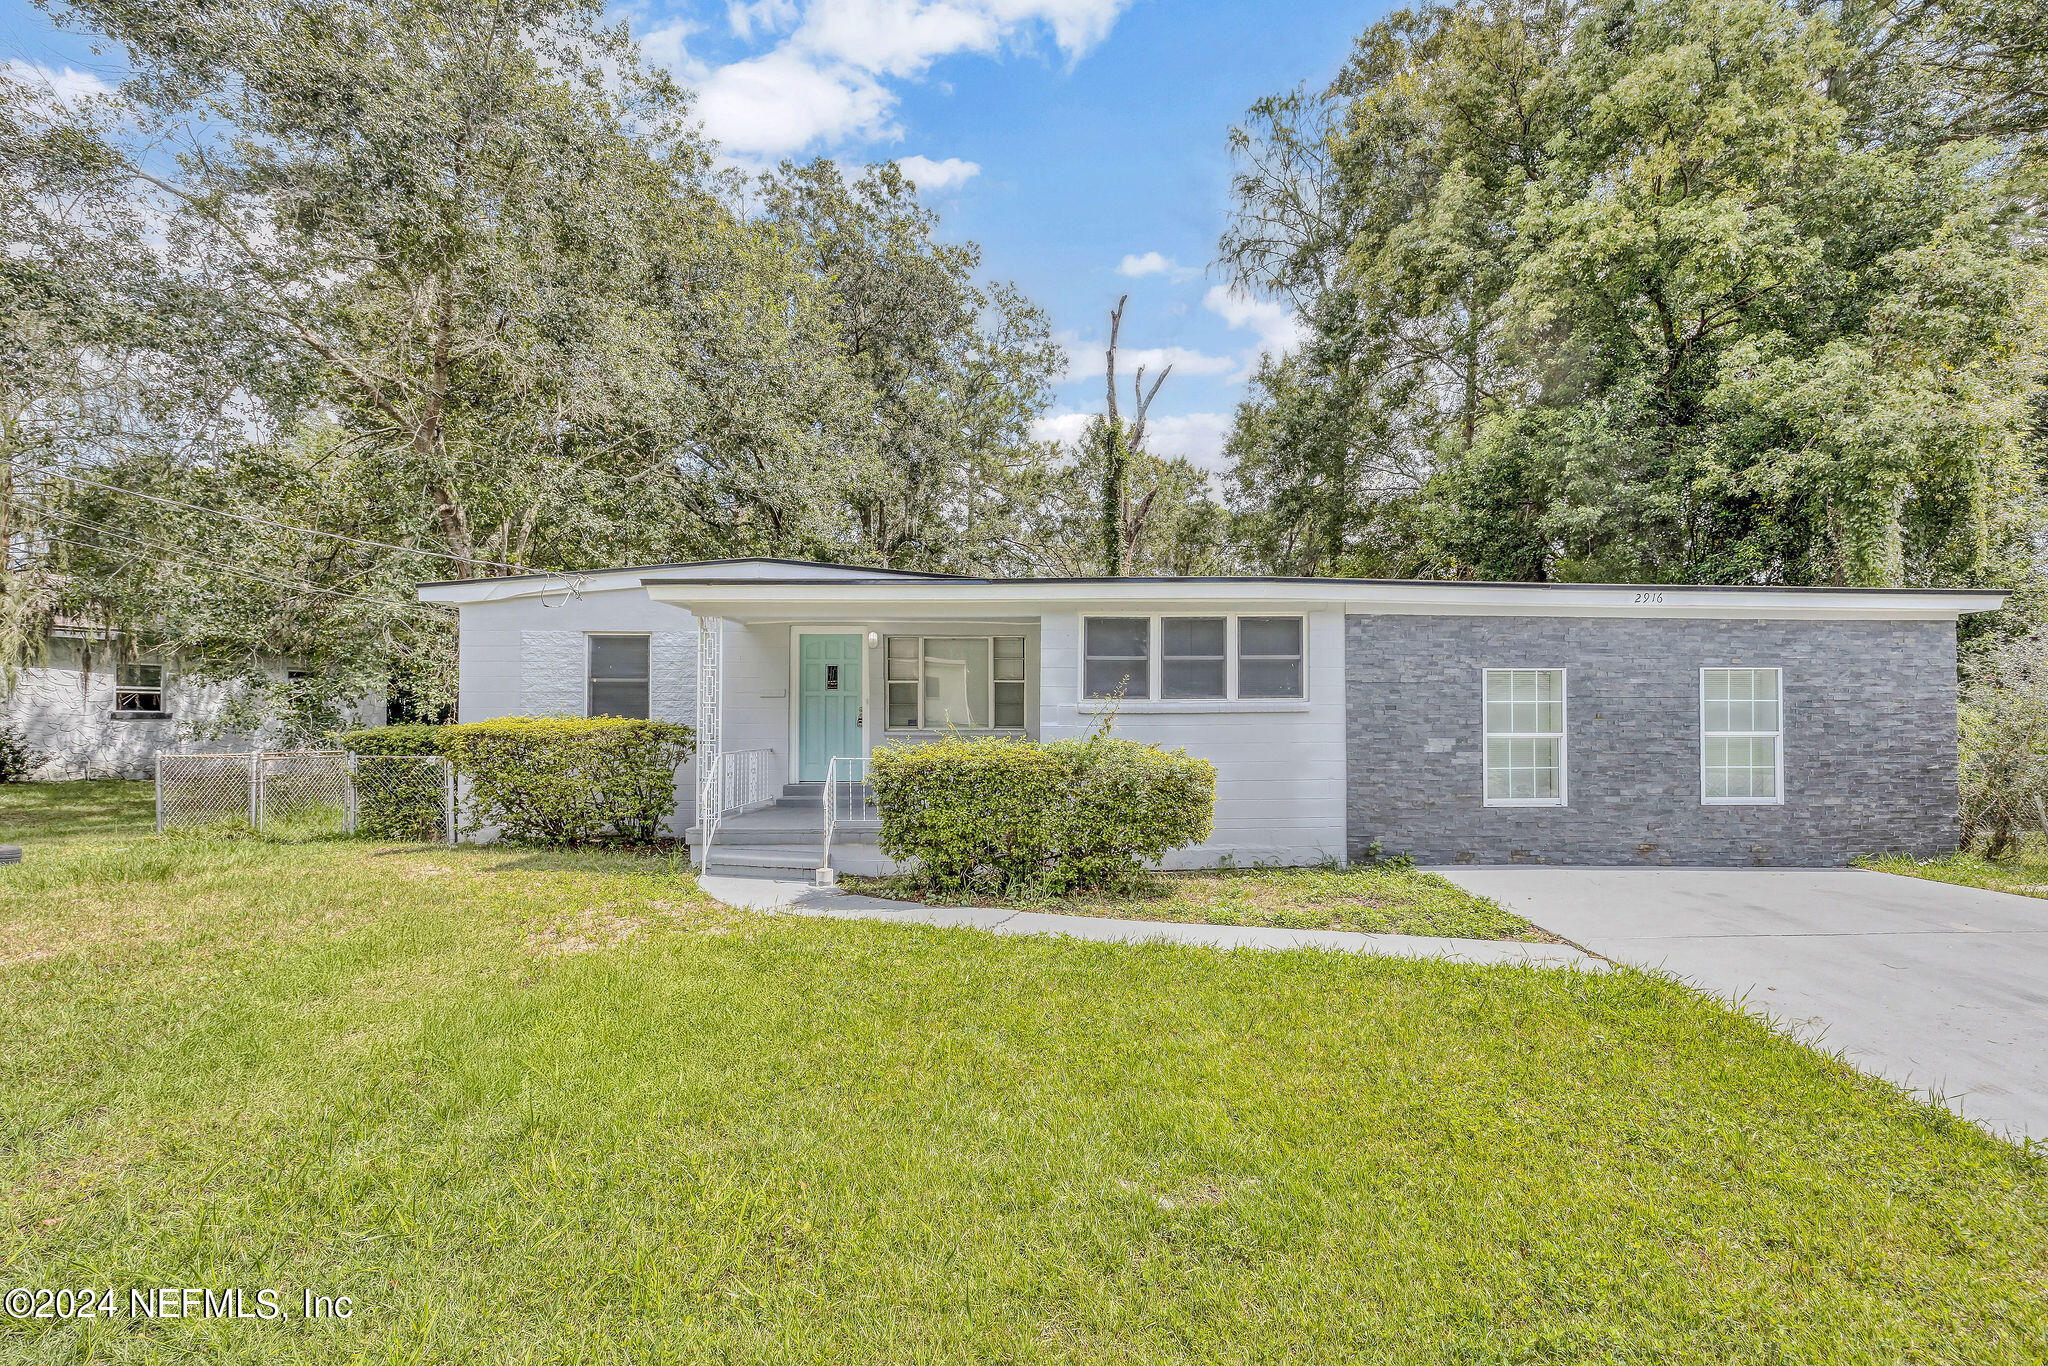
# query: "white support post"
{"type": "Point", "coordinates": [159, 792]}
{"type": "Point", "coordinates": [256, 791]}
{"type": "Point", "coordinates": [352, 774]}
{"type": "Point", "coordinates": [448, 797]}
{"type": "Point", "coordinates": [710, 718]}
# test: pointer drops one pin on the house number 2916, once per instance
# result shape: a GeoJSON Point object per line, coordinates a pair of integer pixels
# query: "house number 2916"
{"type": "Point", "coordinates": [1649, 597]}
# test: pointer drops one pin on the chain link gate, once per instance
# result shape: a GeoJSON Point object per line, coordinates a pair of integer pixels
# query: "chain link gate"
{"type": "Point", "coordinates": [402, 797]}
{"type": "Point", "coordinates": [307, 794]}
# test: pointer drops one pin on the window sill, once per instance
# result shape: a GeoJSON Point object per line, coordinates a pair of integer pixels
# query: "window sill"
{"type": "Point", "coordinates": [1146, 706]}
{"type": "Point", "coordinates": [140, 715]}
{"type": "Point", "coordinates": [1742, 801]}
{"type": "Point", "coordinates": [938, 732]}
{"type": "Point", "coordinates": [1511, 803]}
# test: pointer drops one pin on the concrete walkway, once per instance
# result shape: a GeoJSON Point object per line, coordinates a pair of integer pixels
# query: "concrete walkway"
{"type": "Point", "coordinates": [801, 898]}
{"type": "Point", "coordinates": [1936, 987]}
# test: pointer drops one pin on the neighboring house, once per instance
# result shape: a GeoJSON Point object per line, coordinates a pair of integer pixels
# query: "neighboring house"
{"type": "Point", "coordinates": [97, 711]}
{"type": "Point", "coordinates": [1450, 721]}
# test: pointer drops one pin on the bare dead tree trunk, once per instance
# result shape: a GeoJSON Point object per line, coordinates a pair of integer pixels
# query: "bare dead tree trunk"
{"type": "Point", "coordinates": [1123, 527]}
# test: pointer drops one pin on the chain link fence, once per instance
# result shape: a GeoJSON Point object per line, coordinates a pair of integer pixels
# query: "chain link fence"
{"type": "Point", "coordinates": [308, 794]}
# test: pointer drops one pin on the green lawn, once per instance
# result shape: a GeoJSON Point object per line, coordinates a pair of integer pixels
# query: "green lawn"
{"type": "Point", "coordinates": [536, 1107]}
{"type": "Point", "coordinates": [1383, 899]}
{"type": "Point", "coordinates": [2026, 873]}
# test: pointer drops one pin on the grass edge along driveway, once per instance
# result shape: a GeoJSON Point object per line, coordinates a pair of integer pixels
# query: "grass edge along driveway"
{"type": "Point", "coordinates": [531, 1106]}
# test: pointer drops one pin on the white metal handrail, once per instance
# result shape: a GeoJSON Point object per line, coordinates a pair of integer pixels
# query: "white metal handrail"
{"type": "Point", "coordinates": [732, 781]}
{"type": "Point", "coordinates": [847, 798]}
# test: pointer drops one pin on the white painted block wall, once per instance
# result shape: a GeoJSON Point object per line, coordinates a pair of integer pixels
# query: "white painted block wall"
{"type": "Point", "coordinates": [1279, 767]}
{"type": "Point", "coordinates": [64, 707]}
{"type": "Point", "coordinates": [527, 657]}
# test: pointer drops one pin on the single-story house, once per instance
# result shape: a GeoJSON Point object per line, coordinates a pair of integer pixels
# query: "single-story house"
{"type": "Point", "coordinates": [1451, 721]}
{"type": "Point", "coordinates": [95, 707]}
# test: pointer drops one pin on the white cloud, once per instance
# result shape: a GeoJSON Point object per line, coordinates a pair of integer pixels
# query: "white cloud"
{"type": "Point", "coordinates": [1064, 428]}
{"type": "Point", "coordinates": [933, 176]}
{"type": "Point", "coordinates": [781, 102]}
{"type": "Point", "coordinates": [1278, 329]}
{"type": "Point", "coordinates": [65, 86]}
{"type": "Point", "coordinates": [765, 16]}
{"type": "Point", "coordinates": [1154, 263]}
{"type": "Point", "coordinates": [668, 46]}
{"type": "Point", "coordinates": [1197, 436]}
{"type": "Point", "coordinates": [830, 67]}
{"type": "Point", "coordinates": [1084, 360]}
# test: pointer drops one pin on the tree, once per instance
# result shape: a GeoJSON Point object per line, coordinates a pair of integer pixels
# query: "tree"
{"type": "Point", "coordinates": [1122, 520]}
{"type": "Point", "coordinates": [470, 264]}
{"type": "Point", "coordinates": [949, 372]}
{"type": "Point", "coordinates": [1184, 530]}
{"type": "Point", "coordinates": [1652, 291]}
{"type": "Point", "coordinates": [2004, 755]}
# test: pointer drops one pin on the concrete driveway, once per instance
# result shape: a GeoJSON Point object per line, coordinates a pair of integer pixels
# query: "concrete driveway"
{"type": "Point", "coordinates": [1941, 988]}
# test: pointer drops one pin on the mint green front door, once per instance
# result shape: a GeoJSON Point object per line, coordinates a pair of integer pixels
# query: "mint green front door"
{"type": "Point", "coordinates": [828, 703]}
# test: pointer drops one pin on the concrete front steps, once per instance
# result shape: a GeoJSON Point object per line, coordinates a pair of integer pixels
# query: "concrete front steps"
{"type": "Point", "coordinates": [787, 837]}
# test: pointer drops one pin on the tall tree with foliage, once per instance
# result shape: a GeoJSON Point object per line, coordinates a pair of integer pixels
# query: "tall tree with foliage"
{"type": "Point", "coordinates": [470, 261]}
{"type": "Point", "coordinates": [950, 371]}
{"type": "Point", "coordinates": [1644, 291]}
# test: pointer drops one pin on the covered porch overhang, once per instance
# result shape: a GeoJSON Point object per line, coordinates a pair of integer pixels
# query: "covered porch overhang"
{"type": "Point", "coordinates": [795, 688]}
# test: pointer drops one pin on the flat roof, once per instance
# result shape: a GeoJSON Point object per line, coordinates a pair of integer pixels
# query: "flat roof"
{"type": "Point", "coordinates": [882, 574]}
{"type": "Point", "coordinates": [963, 580]}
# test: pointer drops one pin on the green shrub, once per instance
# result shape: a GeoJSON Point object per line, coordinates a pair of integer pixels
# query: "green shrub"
{"type": "Point", "coordinates": [411, 738]}
{"type": "Point", "coordinates": [557, 780]}
{"type": "Point", "coordinates": [18, 758]}
{"type": "Point", "coordinates": [398, 798]}
{"type": "Point", "coordinates": [1017, 813]}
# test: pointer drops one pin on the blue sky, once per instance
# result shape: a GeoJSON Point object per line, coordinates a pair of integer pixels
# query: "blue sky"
{"type": "Point", "coordinates": [1080, 142]}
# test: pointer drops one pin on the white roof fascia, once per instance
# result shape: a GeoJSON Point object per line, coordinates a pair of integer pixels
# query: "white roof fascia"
{"type": "Point", "coordinates": [473, 592]}
{"type": "Point", "coordinates": [809, 601]}
{"type": "Point", "coordinates": [470, 592]}
{"type": "Point", "coordinates": [1561, 600]}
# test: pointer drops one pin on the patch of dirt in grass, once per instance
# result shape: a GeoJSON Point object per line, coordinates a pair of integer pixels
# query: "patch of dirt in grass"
{"type": "Point", "coordinates": [599, 927]}
{"type": "Point", "coordinates": [1196, 1195]}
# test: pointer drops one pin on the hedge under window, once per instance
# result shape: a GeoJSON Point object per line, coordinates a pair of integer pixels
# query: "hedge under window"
{"type": "Point", "coordinates": [1741, 726]}
{"type": "Point", "coordinates": [618, 677]}
{"type": "Point", "coordinates": [1525, 737]}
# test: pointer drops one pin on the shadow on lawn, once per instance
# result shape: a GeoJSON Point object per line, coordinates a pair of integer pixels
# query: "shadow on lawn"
{"type": "Point", "coordinates": [83, 808]}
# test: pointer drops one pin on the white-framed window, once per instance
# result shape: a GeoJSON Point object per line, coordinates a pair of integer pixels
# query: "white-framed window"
{"type": "Point", "coordinates": [1194, 658]}
{"type": "Point", "coordinates": [1742, 737]}
{"type": "Point", "coordinates": [139, 686]}
{"type": "Point", "coordinates": [1525, 737]}
{"type": "Point", "coordinates": [617, 677]}
{"type": "Point", "coordinates": [1269, 656]}
{"type": "Point", "coordinates": [954, 682]}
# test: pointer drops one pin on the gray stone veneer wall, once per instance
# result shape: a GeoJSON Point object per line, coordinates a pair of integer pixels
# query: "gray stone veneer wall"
{"type": "Point", "coordinates": [1869, 736]}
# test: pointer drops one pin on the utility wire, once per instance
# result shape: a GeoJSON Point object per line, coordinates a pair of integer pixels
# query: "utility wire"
{"type": "Point", "coordinates": [175, 551]}
{"type": "Point", "coordinates": [231, 569]}
{"type": "Point", "coordinates": [312, 531]}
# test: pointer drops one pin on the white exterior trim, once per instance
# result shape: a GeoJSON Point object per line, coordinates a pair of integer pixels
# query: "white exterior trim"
{"type": "Point", "coordinates": [1778, 783]}
{"type": "Point", "coordinates": [1155, 669]}
{"type": "Point", "coordinates": [910, 598]}
{"type": "Point", "coordinates": [1564, 735]}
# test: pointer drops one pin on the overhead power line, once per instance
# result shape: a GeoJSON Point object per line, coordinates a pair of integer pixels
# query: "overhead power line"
{"type": "Point", "coordinates": [312, 531]}
{"type": "Point", "coordinates": [176, 557]}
